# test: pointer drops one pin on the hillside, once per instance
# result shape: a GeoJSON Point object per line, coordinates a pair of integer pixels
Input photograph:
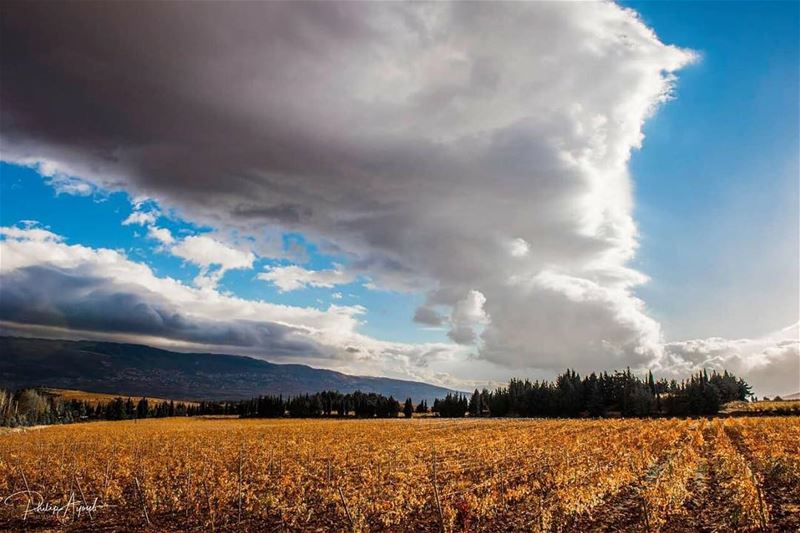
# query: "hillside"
{"type": "Point", "coordinates": [94, 398]}
{"type": "Point", "coordinates": [137, 370]}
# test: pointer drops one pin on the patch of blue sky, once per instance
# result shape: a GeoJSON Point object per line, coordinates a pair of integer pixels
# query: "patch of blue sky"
{"type": "Point", "coordinates": [96, 220]}
{"type": "Point", "coordinates": [718, 172]}
{"type": "Point", "coordinates": [25, 195]}
{"type": "Point", "coordinates": [388, 314]}
{"type": "Point", "coordinates": [390, 317]}
{"type": "Point", "coordinates": [93, 220]}
{"type": "Point", "coordinates": [307, 253]}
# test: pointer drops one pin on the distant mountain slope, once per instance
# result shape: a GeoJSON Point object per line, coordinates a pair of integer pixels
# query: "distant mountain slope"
{"type": "Point", "coordinates": [136, 370]}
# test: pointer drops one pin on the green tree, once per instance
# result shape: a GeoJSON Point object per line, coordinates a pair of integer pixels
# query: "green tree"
{"type": "Point", "coordinates": [408, 408]}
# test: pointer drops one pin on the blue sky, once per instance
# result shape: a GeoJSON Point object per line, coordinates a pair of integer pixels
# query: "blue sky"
{"type": "Point", "coordinates": [486, 219]}
{"type": "Point", "coordinates": [95, 220]}
{"type": "Point", "coordinates": [717, 179]}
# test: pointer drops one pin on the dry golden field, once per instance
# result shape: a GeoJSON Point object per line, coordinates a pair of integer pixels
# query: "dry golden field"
{"type": "Point", "coordinates": [762, 407]}
{"type": "Point", "coordinates": [95, 398]}
{"type": "Point", "coordinates": [194, 474]}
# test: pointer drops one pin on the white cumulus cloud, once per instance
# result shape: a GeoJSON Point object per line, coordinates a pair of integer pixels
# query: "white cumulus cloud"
{"type": "Point", "coordinates": [141, 218]}
{"type": "Point", "coordinates": [213, 256]}
{"type": "Point", "coordinates": [771, 364]}
{"type": "Point", "coordinates": [163, 235]}
{"type": "Point", "coordinates": [293, 277]}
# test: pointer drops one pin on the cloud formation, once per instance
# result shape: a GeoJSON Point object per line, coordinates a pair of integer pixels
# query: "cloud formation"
{"type": "Point", "coordinates": [141, 218]}
{"type": "Point", "coordinates": [293, 277]}
{"type": "Point", "coordinates": [214, 258]}
{"type": "Point", "coordinates": [61, 182]}
{"type": "Point", "coordinates": [58, 287]}
{"type": "Point", "coordinates": [771, 364]}
{"type": "Point", "coordinates": [431, 153]}
{"type": "Point", "coordinates": [162, 235]}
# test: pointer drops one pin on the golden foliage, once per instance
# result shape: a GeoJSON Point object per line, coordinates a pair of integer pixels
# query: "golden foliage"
{"type": "Point", "coordinates": [418, 474]}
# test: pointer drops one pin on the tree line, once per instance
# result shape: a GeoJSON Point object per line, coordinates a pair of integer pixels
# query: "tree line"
{"type": "Point", "coordinates": [29, 407]}
{"type": "Point", "coordinates": [568, 396]}
{"type": "Point", "coordinates": [321, 404]}
{"type": "Point", "coordinates": [598, 395]}
{"type": "Point", "coordinates": [325, 403]}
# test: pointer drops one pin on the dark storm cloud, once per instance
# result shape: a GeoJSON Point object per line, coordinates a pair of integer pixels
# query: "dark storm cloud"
{"type": "Point", "coordinates": [428, 316]}
{"type": "Point", "coordinates": [49, 296]}
{"type": "Point", "coordinates": [462, 147]}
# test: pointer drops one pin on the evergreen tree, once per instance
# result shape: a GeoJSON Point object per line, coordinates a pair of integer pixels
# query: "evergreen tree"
{"type": "Point", "coordinates": [408, 408]}
{"type": "Point", "coordinates": [142, 409]}
{"type": "Point", "coordinates": [475, 404]}
{"type": "Point", "coordinates": [422, 407]}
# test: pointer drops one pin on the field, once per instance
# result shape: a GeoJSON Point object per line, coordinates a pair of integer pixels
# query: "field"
{"type": "Point", "coordinates": [767, 407]}
{"type": "Point", "coordinates": [192, 474]}
{"type": "Point", "coordinates": [95, 398]}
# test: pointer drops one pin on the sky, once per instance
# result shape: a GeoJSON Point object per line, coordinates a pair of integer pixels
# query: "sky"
{"type": "Point", "coordinates": [454, 193]}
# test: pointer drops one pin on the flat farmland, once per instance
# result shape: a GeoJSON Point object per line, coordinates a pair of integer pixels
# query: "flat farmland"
{"type": "Point", "coordinates": [195, 474]}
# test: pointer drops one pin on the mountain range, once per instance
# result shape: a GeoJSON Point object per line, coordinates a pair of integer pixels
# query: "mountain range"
{"type": "Point", "coordinates": [137, 370]}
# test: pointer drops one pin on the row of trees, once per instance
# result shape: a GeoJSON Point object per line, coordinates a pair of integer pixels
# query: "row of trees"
{"type": "Point", "coordinates": [595, 395]}
{"type": "Point", "coordinates": [569, 396]}
{"type": "Point", "coordinates": [409, 409]}
{"type": "Point", "coordinates": [621, 394]}
{"type": "Point", "coordinates": [28, 407]}
{"type": "Point", "coordinates": [326, 403]}
{"type": "Point", "coordinates": [127, 409]}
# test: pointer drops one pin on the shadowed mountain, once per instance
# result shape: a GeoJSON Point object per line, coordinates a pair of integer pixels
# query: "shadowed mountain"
{"type": "Point", "coordinates": [137, 370]}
